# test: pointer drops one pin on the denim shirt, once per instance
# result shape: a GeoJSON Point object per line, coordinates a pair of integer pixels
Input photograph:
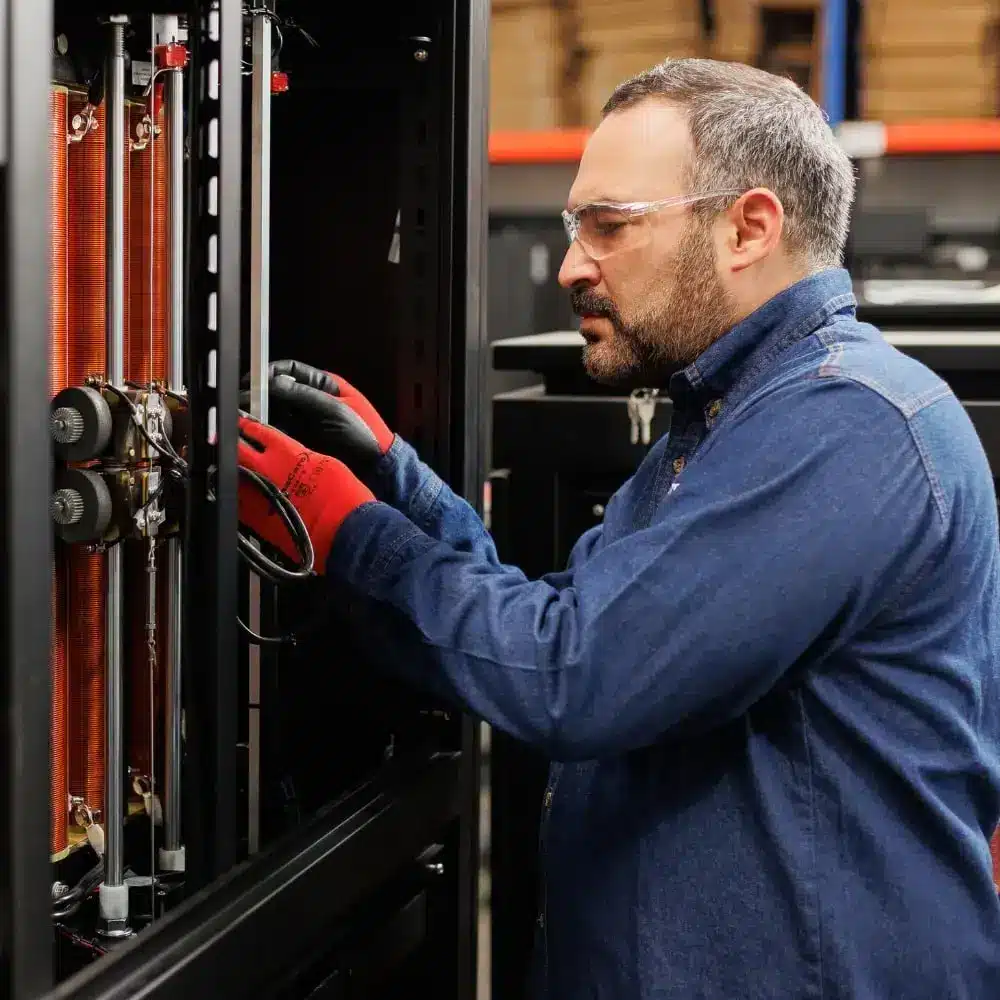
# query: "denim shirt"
{"type": "Point", "coordinates": [768, 681]}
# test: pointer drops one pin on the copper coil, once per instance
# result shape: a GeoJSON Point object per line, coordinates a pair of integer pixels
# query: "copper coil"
{"type": "Point", "coordinates": [87, 356]}
{"type": "Point", "coordinates": [149, 292]}
{"type": "Point", "coordinates": [85, 613]}
{"type": "Point", "coordinates": [59, 742]}
{"type": "Point", "coordinates": [59, 344]}
{"type": "Point", "coordinates": [86, 256]}
{"type": "Point", "coordinates": [58, 360]}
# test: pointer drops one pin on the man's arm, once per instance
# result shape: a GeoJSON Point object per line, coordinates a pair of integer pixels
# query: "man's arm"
{"type": "Point", "coordinates": [405, 482]}
{"type": "Point", "coordinates": [330, 416]}
{"type": "Point", "coordinates": [788, 539]}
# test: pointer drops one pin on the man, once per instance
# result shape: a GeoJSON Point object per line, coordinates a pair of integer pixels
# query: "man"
{"type": "Point", "coordinates": [768, 681]}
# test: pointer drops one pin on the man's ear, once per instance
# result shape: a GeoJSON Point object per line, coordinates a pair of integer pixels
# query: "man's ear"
{"type": "Point", "coordinates": [755, 224]}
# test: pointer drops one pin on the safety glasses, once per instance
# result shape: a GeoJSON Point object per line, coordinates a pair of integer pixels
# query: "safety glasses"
{"type": "Point", "coordinates": [606, 228]}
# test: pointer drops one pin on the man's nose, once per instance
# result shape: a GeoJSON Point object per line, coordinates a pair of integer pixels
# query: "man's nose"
{"type": "Point", "coordinates": [578, 269]}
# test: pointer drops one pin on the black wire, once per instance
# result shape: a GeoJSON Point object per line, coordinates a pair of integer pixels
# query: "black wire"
{"type": "Point", "coordinates": [164, 447]}
{"type": "Point", "coordinates": [70, 902]}
{"type": "Point", "coordinates": [265, 640]}
{"type": "Point", "coordinates": [259, 562]}
{"type": "Point", "coordinates": [265, 567]}
{"type": "Point", "coordinates": [319, 619]}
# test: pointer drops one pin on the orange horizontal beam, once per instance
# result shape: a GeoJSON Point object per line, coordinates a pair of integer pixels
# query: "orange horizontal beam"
{"type": "Point", "coordinates": [550, 146]}
{"type": "Point", "coordinates": [975, 135]}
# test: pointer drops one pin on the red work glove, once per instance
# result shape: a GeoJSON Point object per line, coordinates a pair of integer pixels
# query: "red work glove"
{"type": "Point", "coordinates": [327, 414]}
{"type": "Point", "coordinates": [323, 490]}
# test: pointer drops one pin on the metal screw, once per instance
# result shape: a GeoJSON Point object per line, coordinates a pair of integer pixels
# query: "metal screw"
{"type": "Point", "coordinates": [420, 55]}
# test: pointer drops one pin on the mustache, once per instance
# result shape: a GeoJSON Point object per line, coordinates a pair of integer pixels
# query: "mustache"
{"type": "Point", "coordinates": [586, 302]}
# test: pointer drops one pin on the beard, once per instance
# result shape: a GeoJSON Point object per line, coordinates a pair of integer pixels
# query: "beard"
{"type": "Point", "coordinates": [680, 315]}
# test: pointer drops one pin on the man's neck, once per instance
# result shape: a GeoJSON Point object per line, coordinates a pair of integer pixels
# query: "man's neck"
{"type": "Point", "coordinates": [757, 286]}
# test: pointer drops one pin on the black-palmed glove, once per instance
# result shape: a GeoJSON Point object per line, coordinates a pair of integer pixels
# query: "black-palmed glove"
{"type": "Point", "coordinates": [327, 414]}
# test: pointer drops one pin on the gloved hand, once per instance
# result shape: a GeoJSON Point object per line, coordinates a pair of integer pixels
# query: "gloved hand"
{"type": "Point", "coordinates": [323, 490]}
{"type": "Point", "coordinates": [327, 414]}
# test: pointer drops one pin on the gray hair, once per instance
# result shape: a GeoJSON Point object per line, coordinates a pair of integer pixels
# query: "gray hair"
{"type": "Point", "coordinates": [754, 129]}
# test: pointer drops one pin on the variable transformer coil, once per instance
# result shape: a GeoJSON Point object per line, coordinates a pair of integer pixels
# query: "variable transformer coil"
{"type": "Point", "coordinates": [58, 362]}
{"type": "Point", "coordinates": [87, 355]}
{"type": "Point", "coordinates": [90, 425]}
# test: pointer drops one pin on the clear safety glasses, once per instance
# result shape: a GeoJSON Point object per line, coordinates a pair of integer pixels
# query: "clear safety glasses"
{"type": "Point", "coordinates": [606, 228]}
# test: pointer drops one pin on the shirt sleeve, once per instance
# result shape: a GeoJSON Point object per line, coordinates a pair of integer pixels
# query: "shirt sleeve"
{"type": "Point", "coordinates": [782, 537]}
{"type": "Point", "coordinates": [411, 486]}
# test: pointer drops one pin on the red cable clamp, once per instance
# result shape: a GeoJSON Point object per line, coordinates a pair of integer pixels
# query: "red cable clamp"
{"type": "Point", "coordinates": [172, 56]}
{"type": "Point", "coordinates": [279, 82]}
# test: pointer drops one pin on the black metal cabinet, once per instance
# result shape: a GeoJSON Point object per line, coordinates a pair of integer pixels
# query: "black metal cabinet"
{"type": "Point", "coordinates": [367, 886]}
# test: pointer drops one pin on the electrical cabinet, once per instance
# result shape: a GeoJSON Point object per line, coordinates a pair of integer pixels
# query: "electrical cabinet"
{"type": "Point", "coordinates": [188, 193]}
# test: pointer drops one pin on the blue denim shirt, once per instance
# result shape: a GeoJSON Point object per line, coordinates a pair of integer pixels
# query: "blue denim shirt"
{"type": "Point", "coordinates": [769, 680]}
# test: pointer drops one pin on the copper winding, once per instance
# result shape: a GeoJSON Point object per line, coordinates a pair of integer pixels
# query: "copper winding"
{"type": "Point", "coordinates": [58, 361]}
{"type": "Point", "coordinates": [79, 351]}
{"type": "Point", "coordinates": [87, 356]}
{"type": "Point", "coordinates": [59, 745]}
{"type": "Point", "coordinates": [85, 613]}
{"type": "Point", "coordinates": [145, 322]}
{"type": "Point", "coordinates": [86, 257]}
{"type": "Point", "coordinates": [59, 358]}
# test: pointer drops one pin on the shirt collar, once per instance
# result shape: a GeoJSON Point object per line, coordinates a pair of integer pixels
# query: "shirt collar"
{"type": "Point", "coordinates": [754, 342]}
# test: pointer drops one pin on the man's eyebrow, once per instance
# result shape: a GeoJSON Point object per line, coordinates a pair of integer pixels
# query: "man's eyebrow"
{"type": "Point", "coordinates": [597, 199]}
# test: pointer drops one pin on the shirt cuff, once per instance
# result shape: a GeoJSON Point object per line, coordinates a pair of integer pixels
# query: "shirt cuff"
{"type": "Point", "coordinates": [407, 483]}
{"type": "Point", "coordinates": [367, 544]}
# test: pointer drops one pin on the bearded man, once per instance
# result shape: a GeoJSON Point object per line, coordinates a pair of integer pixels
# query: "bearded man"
{"type": "Point", "coordinates": [768, 681]}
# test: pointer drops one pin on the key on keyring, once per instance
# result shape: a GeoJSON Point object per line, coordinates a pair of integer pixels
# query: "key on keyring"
{"type": "Point", "coordinates": [646, 410]}
{"type": "Point", "coordinates": [633, 417]}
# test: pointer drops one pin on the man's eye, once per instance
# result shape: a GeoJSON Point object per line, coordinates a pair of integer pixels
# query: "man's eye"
{"type": "Point", "coordinates": [606, 223]}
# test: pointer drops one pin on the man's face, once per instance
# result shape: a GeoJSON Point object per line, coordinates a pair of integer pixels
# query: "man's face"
{"type": "Point", "coordinates": [650, 310]}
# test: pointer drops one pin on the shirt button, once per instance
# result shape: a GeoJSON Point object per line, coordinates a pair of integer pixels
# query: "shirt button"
{"type": "Point", "coordinates": [714, 408]}
{"type": "Point", "coordinates": [548, 798]}
{"type": "Point", "coordinates": [678, 465]}
{"type": "Point", "coordinates": [541, 919]}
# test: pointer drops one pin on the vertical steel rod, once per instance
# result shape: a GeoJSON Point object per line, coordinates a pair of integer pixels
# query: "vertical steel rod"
{"type": "Point", "coordinates": [113, 891]}
{"type": "Point", "coordinates": [172, 852]}
{"type": "Point", "coordinates": [260, 281]}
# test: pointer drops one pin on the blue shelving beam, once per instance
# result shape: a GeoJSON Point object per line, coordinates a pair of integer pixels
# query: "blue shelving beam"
{"type": "Point", "coordinates": [834, 60]}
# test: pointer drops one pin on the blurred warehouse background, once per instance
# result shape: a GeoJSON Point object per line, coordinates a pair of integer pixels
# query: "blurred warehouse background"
{"type": "Point", "coordinates": [912, 87]}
